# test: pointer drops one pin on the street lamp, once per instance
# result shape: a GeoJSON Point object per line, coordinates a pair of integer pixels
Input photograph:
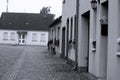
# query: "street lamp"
{"type": "Point", "coordinates": [94, 4]}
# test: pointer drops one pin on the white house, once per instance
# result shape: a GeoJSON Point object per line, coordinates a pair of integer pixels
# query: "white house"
{"type": "Point", "coordinates": [98, 36]}
{"type": "Point", "coordinates": [24, 28]}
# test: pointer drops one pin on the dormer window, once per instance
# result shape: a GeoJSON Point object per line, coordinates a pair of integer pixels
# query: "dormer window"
{"type": "Point", "coordinates": [27, 23]}
{"type": "Point", "coordinates": [10, 23]}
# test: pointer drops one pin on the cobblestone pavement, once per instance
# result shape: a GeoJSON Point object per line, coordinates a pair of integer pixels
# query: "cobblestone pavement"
{"type": "Point", "coordinates": [8, 57]}
{"type": "Point", "coordinates": [37, 64]}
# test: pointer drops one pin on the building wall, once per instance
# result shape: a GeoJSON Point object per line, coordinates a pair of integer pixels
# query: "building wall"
{"type": "Point", "coordinates": [104, 57]}
{"type": "Point", "coordinates": [8, 40]}
{"type": "Point", "coordinates": [58, 38]}
{"type": "Point", "coordinates": [90, 31]}
{"type": "Point", "coordinates": [55, 33]}
{"type": "Point", "coordinates": [103, 50]}
{"type": "Point", "coordinates": [39, 38]}
{"type": "Point", "coordinates": [113, 67]}
{"type": "Point", "coordinates": [83, 33]}
{"type": "Point", "coordinates": [68, 13]}
{"type": "Point", "coordinates": [28, 38]}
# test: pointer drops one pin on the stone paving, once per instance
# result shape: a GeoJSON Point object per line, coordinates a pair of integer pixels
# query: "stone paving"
{"type": "Point", "coordinates": [36, 63]}
{"type": "Point", "coordinates": [8, 57]}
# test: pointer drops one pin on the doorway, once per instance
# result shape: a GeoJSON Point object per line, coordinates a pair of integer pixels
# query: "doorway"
{"type": "Point", "coordinates": [22, 39]}
{"type": "Point", "coordinates": [85, 31]}
{"type": "Point", "coordinates": [63, 43]}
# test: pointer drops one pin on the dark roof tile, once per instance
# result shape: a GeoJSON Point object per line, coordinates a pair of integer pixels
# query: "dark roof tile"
{"type": "Point", "coordinates": [25, 21]}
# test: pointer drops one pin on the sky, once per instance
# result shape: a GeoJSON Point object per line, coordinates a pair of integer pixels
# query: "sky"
{"type": "Point", "coordinates": [32, 6]}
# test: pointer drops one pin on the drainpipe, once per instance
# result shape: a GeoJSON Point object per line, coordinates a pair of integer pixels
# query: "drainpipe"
{"type": "Point", "coordinates": [76, 36]}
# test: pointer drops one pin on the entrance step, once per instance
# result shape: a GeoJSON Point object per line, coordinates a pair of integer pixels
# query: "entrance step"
{"type": "Point", "coordinates": [90, 76]}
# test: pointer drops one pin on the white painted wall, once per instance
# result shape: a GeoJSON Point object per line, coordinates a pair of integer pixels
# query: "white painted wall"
{"type": "Point", "coordinates": [93, 56]}
{"type": "Point", "coordinates": [102, 1]}
{"type": "Point", "coordinates": [28, 37]}
{"type": "Point", "coordinates": [83, 33]}
{"type": "Point", "coordinates": [8, 41]}
{"type": "Point", "coordinates": [53, 33]}
{"type": "Point", "coordinates": [68, 11]}
{"type": "Point", "coordinates": [84, 6]}
{"type": "Point", "coordinates": [38, 42]}
{"type": "Point", "coordinates": [98, 59]}
{"type": "Point", "coordinates": [58, 34]}
{"type": "Point", "coordinates": [113, 68]}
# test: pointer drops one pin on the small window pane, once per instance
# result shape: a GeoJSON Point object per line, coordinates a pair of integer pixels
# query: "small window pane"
{"type": "Point", "coordinates": [12, 36]}
{"type": "Point", "coordinates": [5, 36]}
{"type": "Point", "coordinates": [58, 33]}
{"type": "Point", "coordinates": [34, 37]}
{"type": "Point", "coordinates": [43, 38]}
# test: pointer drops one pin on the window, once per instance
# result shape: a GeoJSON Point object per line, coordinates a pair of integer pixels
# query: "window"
{"type": "Point", "coordinates": [34, 37]}
{"type": "Point", "coordinates": [43, 38]}
{"type": "Point", "coordinates": [55, 33]}
{"type": "Point", "coordinates": [58, 32]}
{"type": "Point", "coordinates": [52, 34]}
{"type": "Point", "coordinates": [68, 29]}
{"type": "Point", "coordinates": [71, 30]}
{"type": "Point", "coordinates": [75, 25]}
{"type": "Point", "coordinates": [12, 36]}
{"type": "Point", "coordinates": [5, 36]}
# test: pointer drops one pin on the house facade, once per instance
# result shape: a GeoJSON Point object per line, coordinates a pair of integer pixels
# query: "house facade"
{"type": "Point", "coordinates": [98, 43]}
{"type": "Point", "coordinates": [54, 36]}
{"type": "Point", "coordinates": [113, 59]}
{"type": "Point", "coordinates": [68, 29]}
{"type": "Point", "coordinates": [93, 38]}
{"type": "Point", "coordinates": [24, 28]}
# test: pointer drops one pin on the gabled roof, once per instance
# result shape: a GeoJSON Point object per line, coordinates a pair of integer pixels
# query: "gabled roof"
{"type": "Point", "coordinates": [25, 21]}
{"type": "Point", "coordinates": [56, 21]}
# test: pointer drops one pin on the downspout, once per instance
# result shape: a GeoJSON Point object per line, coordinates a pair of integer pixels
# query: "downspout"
{"type": "Point", "coordinates": [76, 36]}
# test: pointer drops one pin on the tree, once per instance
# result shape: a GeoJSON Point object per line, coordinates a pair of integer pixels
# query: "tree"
{"type": "Point", "coordinates": [45, 10]}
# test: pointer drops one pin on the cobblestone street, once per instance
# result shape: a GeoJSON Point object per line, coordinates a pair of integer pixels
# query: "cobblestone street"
{"type": "Point", "coordinates": [35, 63]}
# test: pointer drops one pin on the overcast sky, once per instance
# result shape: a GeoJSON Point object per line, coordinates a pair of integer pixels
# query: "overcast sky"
{"type": "Point", "coordinates": [31, 6]}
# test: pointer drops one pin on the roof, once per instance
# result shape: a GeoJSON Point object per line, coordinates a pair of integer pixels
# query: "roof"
{"type": "Point", "coordinates": [56, 21]}
{"type": "Point", "coordinates": [25, 21]}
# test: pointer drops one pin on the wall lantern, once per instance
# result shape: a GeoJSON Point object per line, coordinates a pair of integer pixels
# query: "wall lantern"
{"type": "Point", "coordinates": [94, 4]}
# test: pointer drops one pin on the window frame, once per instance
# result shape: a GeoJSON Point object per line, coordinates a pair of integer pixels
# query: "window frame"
{"type": "Point", "coordinates": [5, 36]}
{"type": "Point", "coordinates": [43, 39]}
{"type": "Point", "coordinates": [12, 36]}
{"type": "Point", "coordinates": [34, 37]}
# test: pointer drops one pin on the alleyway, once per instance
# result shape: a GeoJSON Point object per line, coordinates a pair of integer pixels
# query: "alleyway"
{"type": "Point", "coordinates": [35, 63]}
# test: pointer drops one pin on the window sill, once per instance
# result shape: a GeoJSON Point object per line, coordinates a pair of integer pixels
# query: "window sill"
{"type": "Point", "coordinates": [5, 39]}
{"type": "Point", "coordinates": [42, 41]}
{"type": "Point", "coordinates": [34, 40]}
{"type": "Point", "coordinates": [12, 39]}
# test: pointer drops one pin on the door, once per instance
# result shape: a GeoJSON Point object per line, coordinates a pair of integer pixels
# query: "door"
{"type": "Point", "coordinates": [85, 19]}
{"type": "Point", "coordinates": [22, 39]}
{"type": "Point", "coordinates": [63, 43]}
